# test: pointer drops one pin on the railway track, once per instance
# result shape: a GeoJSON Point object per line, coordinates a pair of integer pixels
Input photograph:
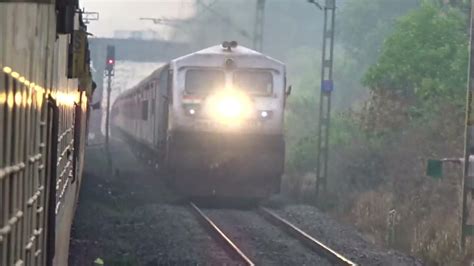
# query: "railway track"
{"type": "Point", "coordinates": [305, 238]}
{"type": "Point", "coordinates": [231, 248]}
{"type": "Point", "coordinates": [296, 233]}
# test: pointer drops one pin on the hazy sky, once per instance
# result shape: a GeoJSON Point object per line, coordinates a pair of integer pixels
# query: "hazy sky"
{"type": "Point", "coordinates": [125, 14]}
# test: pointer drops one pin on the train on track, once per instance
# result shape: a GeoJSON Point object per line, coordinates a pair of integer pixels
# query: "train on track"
{"type": "Point", "coordinates": [45, 87]}
{"type": "Point", "coordinates": [213, 119]}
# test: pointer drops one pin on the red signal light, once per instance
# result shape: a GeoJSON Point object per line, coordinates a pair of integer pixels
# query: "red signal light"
{"type": "Point", "coordinates": [110, 59]}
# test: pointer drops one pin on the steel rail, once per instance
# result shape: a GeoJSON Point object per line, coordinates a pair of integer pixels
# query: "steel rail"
{"type": "Point", "coordinates": [217, 232]}
{"type": "Point", "coordinates": [306, 239]}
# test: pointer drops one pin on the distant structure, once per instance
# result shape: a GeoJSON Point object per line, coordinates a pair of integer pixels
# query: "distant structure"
{"type": "Point", "coordinates": [137, 34]}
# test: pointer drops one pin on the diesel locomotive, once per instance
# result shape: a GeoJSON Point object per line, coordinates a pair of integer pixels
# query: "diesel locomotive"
{"type": "Point", "coordinates": [213, 119]}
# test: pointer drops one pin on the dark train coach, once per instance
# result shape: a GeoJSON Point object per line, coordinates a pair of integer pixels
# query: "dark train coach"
{"type": "Point", "coordinates": [213, 119]}
{"type": "Point", "coordinates": [45, 87]}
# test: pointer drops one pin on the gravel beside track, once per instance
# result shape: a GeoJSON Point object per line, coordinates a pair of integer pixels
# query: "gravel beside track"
{"type": "Point", "coordinates": [264, 243]}
{"type": "Point", "coordinates": [126, 215]}
{"type": "Point", "coordinates": [344, 239]}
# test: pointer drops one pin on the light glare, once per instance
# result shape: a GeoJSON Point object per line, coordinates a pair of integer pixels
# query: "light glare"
{"type": "Point", "coordinates": [230, 106]}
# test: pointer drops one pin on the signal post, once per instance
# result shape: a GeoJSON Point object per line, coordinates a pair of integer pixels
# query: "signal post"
{"type": "Point", "coordinates": [109, 72]}
{"type": "Point", "coordinates": [467, 227]}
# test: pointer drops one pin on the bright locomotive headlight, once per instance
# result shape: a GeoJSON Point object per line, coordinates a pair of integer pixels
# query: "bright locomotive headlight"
{"type": "Point", "coordinates": [230, 106]}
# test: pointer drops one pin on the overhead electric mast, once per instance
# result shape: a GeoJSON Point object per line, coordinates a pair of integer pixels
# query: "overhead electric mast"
{"type": "Point", "coordinates": [327, 86]}
{"type": "Point", "coordinates": [259, 26]}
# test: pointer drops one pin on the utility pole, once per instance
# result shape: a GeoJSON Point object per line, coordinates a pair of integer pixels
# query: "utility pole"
{"type": "Point", "coordinates": [259, 26]}
{"type": "Point", "coordinates": [225, 19]}
{"type": "Point", "coordinates": [468, 177]}
{"type": "Point", "coordinates": [327, 86]}
{"type": "Point", "coordinates": [109, 68]}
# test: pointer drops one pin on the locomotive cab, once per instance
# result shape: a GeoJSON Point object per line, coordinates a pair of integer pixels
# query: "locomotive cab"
{"type": "Point", "coordinates": [226, 126]}
{"type": "Point", "coordinates": [223, 90]}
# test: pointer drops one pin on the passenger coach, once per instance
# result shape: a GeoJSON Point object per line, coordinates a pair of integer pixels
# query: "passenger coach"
{"type": "Point", "coordinates": [213, 119]}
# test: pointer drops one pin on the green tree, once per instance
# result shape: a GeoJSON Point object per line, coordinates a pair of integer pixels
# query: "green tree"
{"type": "Point", "coordinates": [426, 56]}
{"type": "Point", "coordinates": [362, 27]}
{"type": "Point", "coordinates": [366, 23]}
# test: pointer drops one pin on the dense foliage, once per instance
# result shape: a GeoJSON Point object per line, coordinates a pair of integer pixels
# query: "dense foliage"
{"type": "Point", "coordinates": [425, 56]}
{"type": "Point", "coordinates": [366, 23]}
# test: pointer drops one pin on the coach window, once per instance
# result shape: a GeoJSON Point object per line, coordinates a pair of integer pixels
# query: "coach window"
{"type": "Point", "coordinates": [254, 82]}
{"type": "Point", "coordinates": [144, 110]}
{"type": "Point", "coordinates": [201, 81]}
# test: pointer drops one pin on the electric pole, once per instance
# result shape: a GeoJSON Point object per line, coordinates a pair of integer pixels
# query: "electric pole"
{"type": "Point", "coordinates": [109, 68]}
{"type": "Point", "coordinates": [259, 26]}
{"type": "Point", "coordinates": [225, 19]}
{"type": "Point", "coordinates": [327, 86]}
{"type": "Point", "coordinates": [468, 177]}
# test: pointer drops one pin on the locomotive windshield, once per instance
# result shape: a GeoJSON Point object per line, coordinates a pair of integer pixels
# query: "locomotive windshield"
{"type": "Point", "coordinates": [200, 81]}
{"type": "Point", "coordinates": [254, 82]}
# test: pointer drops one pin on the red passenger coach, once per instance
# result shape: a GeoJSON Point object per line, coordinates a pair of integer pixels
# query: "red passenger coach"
{"type": "Point", "coordinates": [213, 119]}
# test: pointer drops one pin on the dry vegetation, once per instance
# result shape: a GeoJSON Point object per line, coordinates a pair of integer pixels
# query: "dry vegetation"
{"type": "Point", "coordinates": [378, 182]}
